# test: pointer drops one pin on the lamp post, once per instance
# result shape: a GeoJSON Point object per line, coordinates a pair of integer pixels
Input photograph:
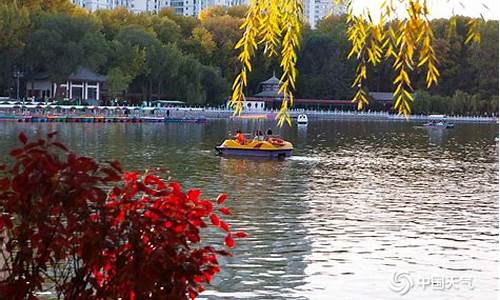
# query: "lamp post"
{"type": "Point", "coordinates": [18, 74]}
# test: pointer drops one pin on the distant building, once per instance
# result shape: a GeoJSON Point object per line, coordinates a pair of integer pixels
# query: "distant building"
{"type": "Point", "coordinates": [382, 96]}
{"type": "Point", "coordinates": [81, 85]}
{"type": "Point", "coordinates": [269, 97]}
{"type": "Point", "coordinates": [315, 10]}
{"type": "Point", "coordinates": [94, 5]}
{"type": "Point", "coordinates": [181, 7]}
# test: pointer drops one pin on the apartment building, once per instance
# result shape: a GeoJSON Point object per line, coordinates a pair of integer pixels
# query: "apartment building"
{"type": "Point", "coordinates": [314, 10]}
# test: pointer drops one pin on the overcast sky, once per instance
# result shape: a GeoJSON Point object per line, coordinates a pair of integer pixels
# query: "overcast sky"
{"type": "Point", "coordinates": [445, 8]}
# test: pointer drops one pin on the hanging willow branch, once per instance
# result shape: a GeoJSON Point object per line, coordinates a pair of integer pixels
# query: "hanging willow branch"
{"type": "Point", "coordinates": [406, 40]}
{"type": "Point", "coordinates": [276, 25]}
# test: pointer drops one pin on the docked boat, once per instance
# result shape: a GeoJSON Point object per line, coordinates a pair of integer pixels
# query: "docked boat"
{"type": "Point", "coordinates": [302, 119]}
{"type": "Point", "coordinates": [200, 120]}
{"type": "Point", "coordinates": [153, 119]}
{"type": "Point", "coordinates": [273, 147]}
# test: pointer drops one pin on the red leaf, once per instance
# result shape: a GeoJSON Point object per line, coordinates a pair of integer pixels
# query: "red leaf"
{"type": "Point", "coordinates": [208, 276]}
{"type": "Point", "coordinates": [208, 205]}
{"type": "Point", "coordinates": [229, 241]}
{"type": "Point", "coordinates": [51, 134]}
{"type": "Point", "coordinates": [130, 176]}
{"type": "Point", "coordinates": [132, 295]}
{"type": "Point", "coordinates": [16, 152]}
{"type": "Point", "coordinates": [179, 228]}
{"type": "Point", "coordinates": [4, 183]}
{"type": "Point", "coordinates": [5, 222]}
{"type": "Point", "coordinates": [194, 194]}
{"type": "Point", "coordinates": [176, 187]}
{"type": "Point", "coordinates": [116, 164]}
{"type": "Point", "coordinates": [221, 198]}
{"type": "Point", "coordinates": [225, 211]}
{"type": "Point", "coordinates": [23, 138]}
{"type": "Point", "coordinates": [60, 146]}
{"type": "Point", "coordinates": [224, 226]}
{"type": "Point", "coordinates": [241, 234]}
{"type": "Point", "coordinates": [120, 218]}
{"type": "Point", "coordinates": [215, 220]}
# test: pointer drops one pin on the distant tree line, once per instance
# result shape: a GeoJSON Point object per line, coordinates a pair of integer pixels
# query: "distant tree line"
{"type": "Point", "coordinates": [164, 55]}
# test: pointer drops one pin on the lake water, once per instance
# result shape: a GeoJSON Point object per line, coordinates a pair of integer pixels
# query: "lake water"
{"type": "Point", "coordinates": [357, 204]}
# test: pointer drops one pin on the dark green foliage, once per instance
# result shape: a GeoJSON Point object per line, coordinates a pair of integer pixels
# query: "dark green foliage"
{"type": "Point", "coordinates": [460, 104]}
{"type": "Point", "coordinates": [63, 43]}
{"type": "Point", "coordinates": [169, 56]}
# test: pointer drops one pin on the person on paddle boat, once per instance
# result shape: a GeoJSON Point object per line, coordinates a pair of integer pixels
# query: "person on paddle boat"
{"type": "Point", "coordinates": [240, 137]}
{"type": "Point", "coordinates": [269, 134]}
{"type": "Point", "coordinates": [259, 136]}
{"type": "Point", "coordinates": [275, 140]}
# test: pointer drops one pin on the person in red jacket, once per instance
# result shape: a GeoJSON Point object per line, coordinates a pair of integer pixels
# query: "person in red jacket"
{"type": "Point", "coordinates": [240, 137]}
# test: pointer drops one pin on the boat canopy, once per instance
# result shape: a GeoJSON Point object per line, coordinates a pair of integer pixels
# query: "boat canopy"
{"type": "Point", "coordinates": [436, 117]}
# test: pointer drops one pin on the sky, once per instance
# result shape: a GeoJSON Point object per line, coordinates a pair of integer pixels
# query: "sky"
{"type": "Point", "coordinates": [444, 8]}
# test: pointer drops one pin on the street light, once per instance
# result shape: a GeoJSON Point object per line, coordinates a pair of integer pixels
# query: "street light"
{"type": "Point", "coordinates": [18, 74]}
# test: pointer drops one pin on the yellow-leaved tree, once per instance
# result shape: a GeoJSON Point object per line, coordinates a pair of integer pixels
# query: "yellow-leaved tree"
{"type": "Point", "coordinates": [401, 33]}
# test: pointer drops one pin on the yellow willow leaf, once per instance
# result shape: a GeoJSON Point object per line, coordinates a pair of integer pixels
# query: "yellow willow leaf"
{"type": "Point", "coordinates": [398, 89]}
{"type": "Point", "coordinates": [244, 78]}
{"type": "Point", "coordinates": [409, 64]}
{"type": "Point", "coordinates": [434, 70]}
{"type": "Point", "coordinates": [405, 77]}
{"type": "Point", "coordinates": [236, 81]}
{"type": "Point", "coordinates": [397, 103]}
{"type": "Point", "coordinates": [423, 61]}
{"type": "Point", "coordinates": [236, 96]}
{"type": "Point", "coordinates": [469, 38]}
{"type": "Point", "coordinates": [370, 56]}
{"type": "Point", "coordinates": [408, 95]}
{"type": "Point", "coordinates": [397, 79]}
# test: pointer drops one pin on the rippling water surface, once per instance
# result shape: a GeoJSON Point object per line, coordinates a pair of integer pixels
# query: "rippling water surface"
{"type": "Point", "coordinates": [356, 203]}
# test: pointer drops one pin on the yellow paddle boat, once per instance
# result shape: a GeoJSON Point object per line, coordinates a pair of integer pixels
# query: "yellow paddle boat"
{"type": "Point", "coordinates": [272, 147]}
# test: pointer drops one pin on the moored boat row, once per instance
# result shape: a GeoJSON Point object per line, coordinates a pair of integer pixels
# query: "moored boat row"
{"type": "Point", "coordinates": [99, 119]}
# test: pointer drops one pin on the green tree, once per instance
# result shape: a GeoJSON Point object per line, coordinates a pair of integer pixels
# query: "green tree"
{"type": "Point", "coordinates": [14, 29]}
{"type": "Point", "coordinates": [323, 71]}
{"type": "Point", "coordinates": [117, 82]}
{"type": "Point", "coordinates": [216, 88]}
{"type": "Point", "coordinates": [167, 30]}
{"type": "Point", "coordinates": [483, 58]}
{"type": "Point", "coordinates": [63, 43]}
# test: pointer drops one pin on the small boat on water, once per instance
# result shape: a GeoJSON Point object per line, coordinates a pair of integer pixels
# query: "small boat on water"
{"type": "Point", "coordinates": [302, 119]}
{"type": "Point", "coordinates": [439, 125]}
{"type": "Point", "coordinates": [438, 122]}
{"type": "Point", "coordinates": [273, 147]}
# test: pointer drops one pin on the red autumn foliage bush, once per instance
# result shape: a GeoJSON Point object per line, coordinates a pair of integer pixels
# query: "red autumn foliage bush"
{"type": "Point", "coordinates": [91, 231]}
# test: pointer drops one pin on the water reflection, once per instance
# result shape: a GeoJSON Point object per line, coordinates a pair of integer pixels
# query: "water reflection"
{"type": "Point", "coordinates": [437, 136]}
{"type": "Point", "coordinates": [356, 202]}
